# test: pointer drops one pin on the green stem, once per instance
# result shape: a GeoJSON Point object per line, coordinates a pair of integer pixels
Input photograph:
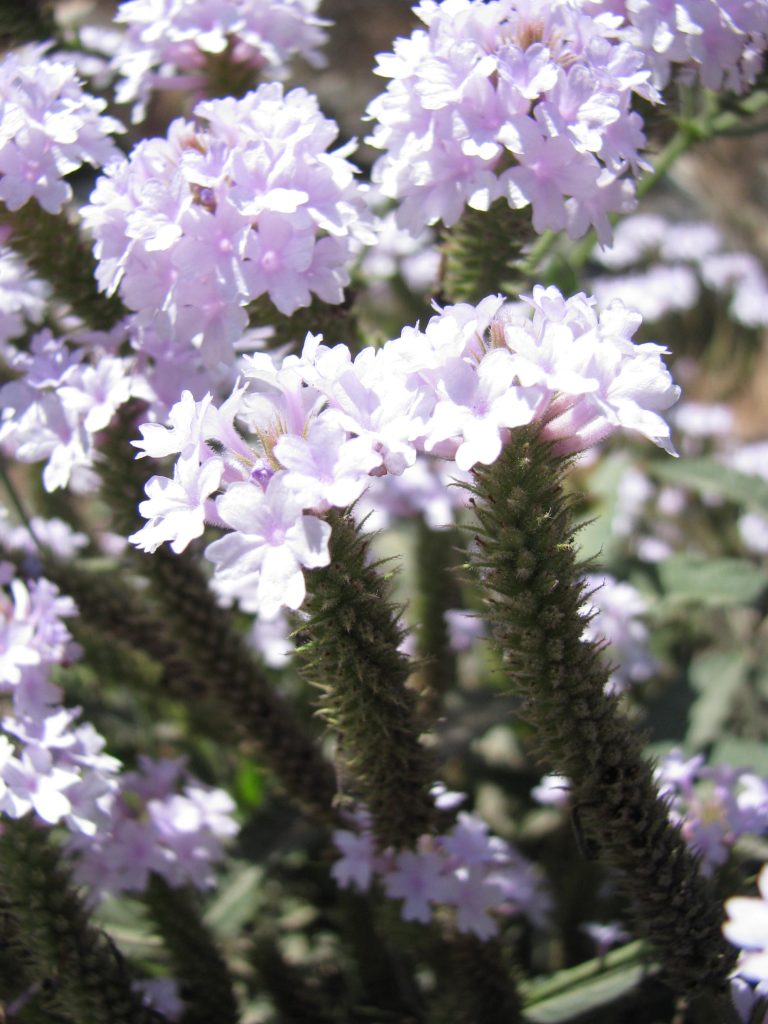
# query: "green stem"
{"type": "Point", "coordinates": [438, 592]}
{"type": "Point", "coordinates": [205, 981]}
{"type": "Point", "coordinates": [16, 501]}
{"type": "Point", "coordinates": [352, 655]}
{"type": "Point", "coordinates": [85, 974]}
{"type": "Point", "coordinates": [55, 251]}
{"type": "Point", "coordinates": [526, 559]}
{"type": "Point", "coordinates": [482, 253]}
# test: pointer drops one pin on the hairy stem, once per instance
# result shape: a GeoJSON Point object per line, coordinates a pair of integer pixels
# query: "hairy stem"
{"type": "Point", "coordinates": [56, 252]}
{"type": "Point", "coordinates": [77, 964]}
{"type": "Point", "coordinates": [352, 655]}
{"type": "Point", "coordinates": [199, 968]}
{"type": "Point", "coordinates": [526, 558]}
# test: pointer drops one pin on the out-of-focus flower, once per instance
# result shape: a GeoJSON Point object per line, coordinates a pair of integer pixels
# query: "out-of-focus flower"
{"type": "Point", "coordinates": [48, 128]}
{"type": "Point", "coordinates": [615, 609]}
{"type": "Point", "coordinates": [721, 43]}
{"type": "Point", "coordinates": [747, 927]}
{"type": "Point", "coordinates": [478, 874]}
{"type": "Point", "coordinates": [171, 43]}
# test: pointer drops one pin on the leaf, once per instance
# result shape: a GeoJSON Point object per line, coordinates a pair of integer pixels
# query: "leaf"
{"type": "Point", "coordinates": [706, 476]}
{"type": "Point", "coordinates": [249, 784]}
{"type": "Point", "coordinates": [711, 582]}
{"type": "Point", "coordinates": [236, 901]}
{"type": "Point", "coordinates": [596, 538]}
{"type": "Point", "coordinates": [716, 676]}
{"type": "Point", "coordinates": [751, 754]}
{"type": "Point", "coordinates": [577, 991]}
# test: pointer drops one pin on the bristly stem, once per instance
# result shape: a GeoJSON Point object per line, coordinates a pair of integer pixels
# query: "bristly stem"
{"type": "Point", "coordinates": [56, 252]}
{"type": "Point", "coordinates": [86, 975]}
{"type": "Point", "coordinates": [352, 654]}
{"type": "Point", "coordinates": [525, 556]}
{"type": "Point", "coordinates": [198, 965]}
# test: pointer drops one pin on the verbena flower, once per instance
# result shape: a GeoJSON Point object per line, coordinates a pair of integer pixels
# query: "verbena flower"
{"type": "Point", "coordinates": [515, 100]}
{"type": "Point", "coordinates": [66, 392]}
{"type": "Point", "coordinates": [713, 804]}
{"type": "Point", "coordinates": [171, 43]}
{"type": "Point", "coordinates": [477, 874]}
{"type": "Point", "coordinates": [48, 128]}
{"type": "Point", "coordinates": [660, 266]}
{"type": "Point", "coordinates": [616, 609]}
{"type": "Point", "coordinates": [245, 202]}
{"type": "Point", "coordinates": [121, 825]}
{"type": "Point", "coordinates": [310, 432]}
{"type": "Point", "coordinates": [747, 927]}
{"type": "Point", "coordinates": [720, 43]}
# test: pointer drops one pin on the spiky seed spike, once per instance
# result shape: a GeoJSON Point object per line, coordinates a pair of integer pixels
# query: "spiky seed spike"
{"type": "Point", "coordinates": [536, 620]}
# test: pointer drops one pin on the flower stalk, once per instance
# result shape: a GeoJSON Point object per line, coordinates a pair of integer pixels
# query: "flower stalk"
{"type": "Point", "coordinates": [352, 655]}
{"type": "Point", "coordinates": [525, 557]}
{"type": "Point", "coordinates": [86, 976]}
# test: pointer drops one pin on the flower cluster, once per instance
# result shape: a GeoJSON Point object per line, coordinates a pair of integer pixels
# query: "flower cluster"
{"type": "Point", "coordinates": [121, 824]}
{"type": "Point", "coordinates": [22, 297]}
{"type": "Point", "coordinates": [615, 609]}
{"type": "Point", "coordinates": [713, 804]}
{"type": "Point", "coordinates": [193, 227]}
{"type": "Point", "coordinates": [62, 397]}
{"type": "Point", "coordinates": [719, 42]}
{"type": "Point", "coordinates": [48, 128]}
{"type": "Point", "coordinates": [156, 822]}
{"type": "Point", "coordinates": [170, 43]}
{"type": "Point", "coordinates": [747, 927]}
{"type": "Point", "coordinates": [660, 266]}
{"type": "Point", "coordinates": [520, 100]}
{"type": "Point", "coordinates": [465, 868]}
{"type": "Point", "coordinates": [323, 423]}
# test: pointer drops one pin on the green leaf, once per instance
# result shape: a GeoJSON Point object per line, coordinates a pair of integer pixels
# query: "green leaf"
{"type": "Point", "coordinates": [713, 582]}
{"type": "Point", "coordinates": [236, 901]}
{"type": "Point", "coordinates": [716, 676]}
{"type": "Point", "coordinates": [596, 538]}
{"type": "Point", "coordinates": [752, 754]}
{"type": "Point", "coordinates": [249, 784]}
{"type": "Point", "coordinates": [706, 476]}
{"type": "Point", "coordinates": [580, 990]}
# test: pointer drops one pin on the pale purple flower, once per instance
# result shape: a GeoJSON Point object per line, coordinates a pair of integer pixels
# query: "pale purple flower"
{"type": "Point", "coordinates": [717, 42]}
{"type": "Point", "coordinates": [605, 936]}
{"type": "Point", "coordinates": [244, 202]}
{"type": "Point", "coordinates": [487, 85]}
{"type": "Point", "coordinates": [273, 540]}
{"type": "Point", "coordinates": [171, 43]}
{"type": "Point", "coordinates": [176, 509]}
{"type": "Point", "coordinates": [747, 928]}
{"type": "Point", "coordinates": [744, 998]}
{"type": "Point", "coordinates": [464, 629]}
{"type": "Point", "coordinates": [616, 609]}
{"type": "Point", "coordinates": [22, 296]}
{"type": "Point", "coordinates": [48, 128]}
{"type": "Point", "coordinates": [356, 864]}
{"type": "Point", "coordinates": [161, 995]}
{"type": "Point", "coordinates": [419, 879]}
{"type": "Point", "coordinates": [474, 894]}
